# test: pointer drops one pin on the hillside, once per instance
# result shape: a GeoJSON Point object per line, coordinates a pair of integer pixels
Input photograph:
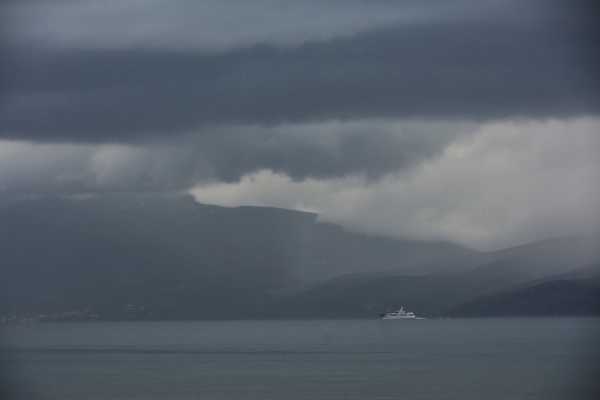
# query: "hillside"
{"type": "Point", "coordinates": [177, 258]}
{"type": "Point", "coordinates": [364, 295]}
{"type": "Point", "coordinates": [165, 256]}
{"type": "Point", "coordinates": [551, 298]}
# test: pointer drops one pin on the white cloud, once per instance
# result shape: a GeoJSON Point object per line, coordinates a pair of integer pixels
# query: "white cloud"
{"type": "Point", "coordinates": [502, 183]}
{"type": "Point", "coordinates": [510, 182]}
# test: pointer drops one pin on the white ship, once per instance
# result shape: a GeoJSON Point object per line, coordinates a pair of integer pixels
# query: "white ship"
{"type": "Point", "coordinates": [400, 314]}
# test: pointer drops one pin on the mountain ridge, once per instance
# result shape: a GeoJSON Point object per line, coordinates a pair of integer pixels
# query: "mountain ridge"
{"type": "Point", "coordinates": [166, 256]}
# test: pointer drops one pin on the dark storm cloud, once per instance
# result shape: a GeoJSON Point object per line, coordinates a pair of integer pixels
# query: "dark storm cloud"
{"type": "Point", "coordinates": [537, 63]}
{"type": "Point", "coordinates": [323, 150]}
{"type": "Point", "coordinates": [320, 150]}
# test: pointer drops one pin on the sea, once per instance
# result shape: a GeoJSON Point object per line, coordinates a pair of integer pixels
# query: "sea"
{"type": "Point", "coordinates": [495, 358]}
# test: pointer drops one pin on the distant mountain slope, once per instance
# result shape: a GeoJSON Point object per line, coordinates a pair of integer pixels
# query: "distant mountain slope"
{"type": "Point", "coordinates": [508, 268]}
{"type": "Point", "coordinates": [364, 295]}
{"type": "Point", "coordinates": [368, 295]}
{"type": "Point", "coordinates": [166, 256]}
{"type": "Point", "coordinates": [550, 298]}
{"type": "Point", "coordinates": [589, 273]}
{"type": "Point", "coordinates": [328, 250]}
{"type": "Point", "coordinates": [180, 258]}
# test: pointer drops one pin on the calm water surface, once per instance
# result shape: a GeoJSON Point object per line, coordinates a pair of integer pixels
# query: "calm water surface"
{"type": "Point", "coordinates": [358, 359]}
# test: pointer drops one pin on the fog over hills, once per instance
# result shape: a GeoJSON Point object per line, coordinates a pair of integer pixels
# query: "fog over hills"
{"type": "Point", "coordinates": [126, 256]}
{"type": "Point", "coordinates": [424, 136]}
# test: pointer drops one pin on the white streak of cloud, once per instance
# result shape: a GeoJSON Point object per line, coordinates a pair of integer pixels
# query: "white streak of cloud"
{"type": "Point", "coordinates": [511, 182]}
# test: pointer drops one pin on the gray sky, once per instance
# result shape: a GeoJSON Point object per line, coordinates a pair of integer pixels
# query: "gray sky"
{"type": "Point", "coordinates": [474, 121]}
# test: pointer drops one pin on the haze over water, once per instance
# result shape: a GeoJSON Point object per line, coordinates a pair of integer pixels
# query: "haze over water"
{"type": "Point", "coordinates": [517, 358]}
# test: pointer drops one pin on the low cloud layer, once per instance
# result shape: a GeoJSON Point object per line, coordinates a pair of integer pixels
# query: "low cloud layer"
{"type": "Point", "coordinates": [507, 184]}
{"type": "Point", "coordinates": [369, 148]}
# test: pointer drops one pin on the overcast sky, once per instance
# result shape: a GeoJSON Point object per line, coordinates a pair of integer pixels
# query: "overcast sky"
{"type": "Point", "coordinates": [473, 121]}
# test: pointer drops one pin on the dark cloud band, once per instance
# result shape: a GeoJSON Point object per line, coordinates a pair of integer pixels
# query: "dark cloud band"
{"type": "Point", "coordinates": [539, 66]}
